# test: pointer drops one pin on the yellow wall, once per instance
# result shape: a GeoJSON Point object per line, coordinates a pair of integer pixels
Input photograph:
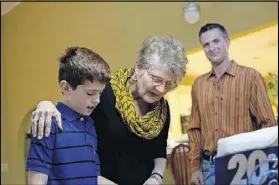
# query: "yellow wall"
{"type": "Point", "coordinates": [180, 104]}
{"type": "Point", "coordinates": [4, 122]}
{"type": "Point", "coordinates": [34, 35]}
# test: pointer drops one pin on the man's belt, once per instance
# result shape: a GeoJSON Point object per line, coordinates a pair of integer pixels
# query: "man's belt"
{"type": "Point", "coordinates": [207, 155]}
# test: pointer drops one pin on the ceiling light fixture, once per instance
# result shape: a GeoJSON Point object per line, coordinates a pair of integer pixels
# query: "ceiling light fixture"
{"type": "Point", "coordinates": [191, 13]}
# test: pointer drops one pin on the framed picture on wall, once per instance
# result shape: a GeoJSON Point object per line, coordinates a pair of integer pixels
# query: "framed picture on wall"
{"type": "Point", "coordinates": [184, 119]}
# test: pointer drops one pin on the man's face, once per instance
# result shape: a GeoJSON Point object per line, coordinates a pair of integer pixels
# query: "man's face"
{"type": "Point", "coordinates": [215, 45]}
{"type": "Point", "coordinates": [85, 97]}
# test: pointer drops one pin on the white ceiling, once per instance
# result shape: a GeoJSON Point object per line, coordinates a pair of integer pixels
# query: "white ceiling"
{"type": "Point", "coordinates": [8, 6]}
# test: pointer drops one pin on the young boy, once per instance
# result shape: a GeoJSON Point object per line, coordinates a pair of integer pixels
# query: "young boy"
{"type": "Point", "coordinates": [69, 156]}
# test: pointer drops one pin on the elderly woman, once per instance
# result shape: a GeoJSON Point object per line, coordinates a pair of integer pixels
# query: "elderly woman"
{"type": "Point", "coordinates": [132, 119]}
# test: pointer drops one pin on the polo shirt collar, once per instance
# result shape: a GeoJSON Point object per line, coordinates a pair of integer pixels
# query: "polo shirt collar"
{"type": "Point", "coordinates": [67, 112]}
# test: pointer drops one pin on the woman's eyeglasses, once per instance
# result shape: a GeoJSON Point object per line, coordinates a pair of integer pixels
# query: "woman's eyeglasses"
{"type": "Point", "coordinates": [157, 81]}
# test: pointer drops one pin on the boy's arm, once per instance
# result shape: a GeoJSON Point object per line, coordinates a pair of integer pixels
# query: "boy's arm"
{"type": "Point", "coordinates": [35, 178]}
{"type": "Point", "coordinates": [100, 179]}
{"type": "Point", "coordinates": [39, 158]}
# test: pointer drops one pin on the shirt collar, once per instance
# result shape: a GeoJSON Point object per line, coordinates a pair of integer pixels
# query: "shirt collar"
{"type": "Point", "coordinates": [231, 70]}
{"type": "Point", "coordinates": [68, 113]}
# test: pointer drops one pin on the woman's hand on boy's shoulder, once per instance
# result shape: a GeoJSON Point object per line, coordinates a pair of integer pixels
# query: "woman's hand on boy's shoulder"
{"type": "Point", "coordinates": [41, 119]}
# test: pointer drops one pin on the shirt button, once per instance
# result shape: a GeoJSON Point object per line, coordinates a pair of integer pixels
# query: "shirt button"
{"type": "Point", "coordinates": [81, 119]}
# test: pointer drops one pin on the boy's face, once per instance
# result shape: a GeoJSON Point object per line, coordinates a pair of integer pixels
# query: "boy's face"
{"type": "Point", "coordinates": [85, 97]}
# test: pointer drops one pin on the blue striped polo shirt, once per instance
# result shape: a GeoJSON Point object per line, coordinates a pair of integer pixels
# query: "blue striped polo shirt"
{"type": "Point", "coordinates": [68, 156]}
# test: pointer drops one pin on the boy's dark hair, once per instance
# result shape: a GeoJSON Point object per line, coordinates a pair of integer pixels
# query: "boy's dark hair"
{"type": "Point", "coordinates": [211, 26]}
{"type": "Point", "coordinates": [80, 64]}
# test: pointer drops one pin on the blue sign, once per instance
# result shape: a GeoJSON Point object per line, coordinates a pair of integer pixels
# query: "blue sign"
{"type": "Point", "coordinates": [251, 167]}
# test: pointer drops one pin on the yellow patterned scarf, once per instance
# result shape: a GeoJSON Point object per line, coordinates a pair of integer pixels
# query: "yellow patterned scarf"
{"type": "Point", "coordinates": [148, 126]}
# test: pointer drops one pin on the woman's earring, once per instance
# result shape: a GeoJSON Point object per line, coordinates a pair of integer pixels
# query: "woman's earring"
{"type": "Point", "coordinates": [134, 79]}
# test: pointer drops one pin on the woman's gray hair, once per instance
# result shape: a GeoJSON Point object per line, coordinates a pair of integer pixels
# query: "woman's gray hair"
{"type": "Point", "coordinates": [163, 51]}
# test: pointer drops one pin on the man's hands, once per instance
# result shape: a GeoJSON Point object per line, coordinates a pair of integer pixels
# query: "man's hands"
{"type": "Point", "coordinates": [197, 178]}
{"type": "Point", "coordinates": [41, 119]}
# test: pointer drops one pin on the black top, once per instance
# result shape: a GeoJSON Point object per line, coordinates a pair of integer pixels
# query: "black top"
{"type": "Point", "coordinates": [125, 158]}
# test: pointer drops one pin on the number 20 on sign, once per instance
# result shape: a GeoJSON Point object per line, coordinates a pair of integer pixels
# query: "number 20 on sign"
{"type": "Point", "coordinates": [248, 168]}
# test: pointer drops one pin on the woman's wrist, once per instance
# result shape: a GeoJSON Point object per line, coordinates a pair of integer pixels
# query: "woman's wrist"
{"type": "Point", "coordinates": [157, 174]}
{"type": "Point", "coordinates": [158, 177]}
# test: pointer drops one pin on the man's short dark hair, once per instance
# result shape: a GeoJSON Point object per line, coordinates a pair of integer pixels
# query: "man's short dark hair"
{"type": "Point", "coordinates": [80, 64]}
{"type": "Point", "coordinates": [211, 26]}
